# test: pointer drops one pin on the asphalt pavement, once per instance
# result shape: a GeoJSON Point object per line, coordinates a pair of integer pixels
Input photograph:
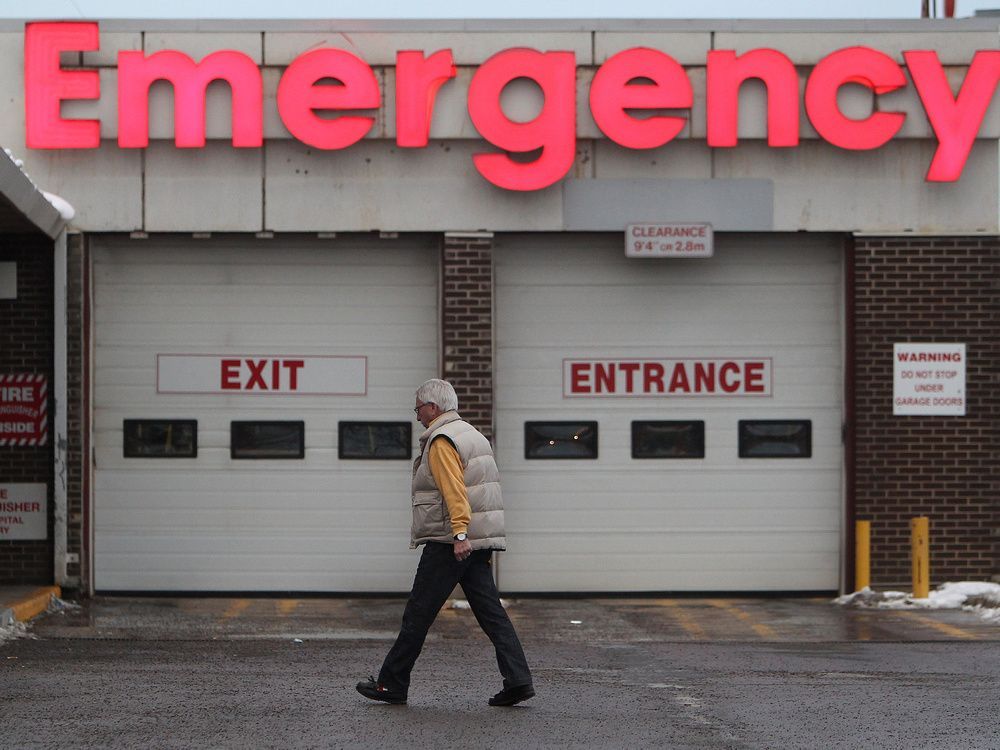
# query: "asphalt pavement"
{"type": "Point", "coordinates": [609, 673]}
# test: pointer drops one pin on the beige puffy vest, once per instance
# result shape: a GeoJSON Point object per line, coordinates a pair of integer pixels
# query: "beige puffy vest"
{"type": "Point", "coordinates": [431, 522]}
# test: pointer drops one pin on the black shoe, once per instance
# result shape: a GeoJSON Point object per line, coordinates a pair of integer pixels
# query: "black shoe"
{"type": "Point", "coordinates": [379, 692]}
{"type": "Point", "coordinates": [510, 696]}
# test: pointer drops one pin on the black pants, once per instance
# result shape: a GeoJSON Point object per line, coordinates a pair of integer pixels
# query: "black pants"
{"type": "Point", "coordinates": [437, 575]}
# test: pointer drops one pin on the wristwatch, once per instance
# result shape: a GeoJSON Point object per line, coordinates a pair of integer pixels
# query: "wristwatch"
{"type": "Point", "coordinates": [461, 537]}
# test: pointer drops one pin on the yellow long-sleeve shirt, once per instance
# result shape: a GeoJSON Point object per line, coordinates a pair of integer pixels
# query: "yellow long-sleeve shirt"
{"type": "Point", "coordinates": [446, 468]}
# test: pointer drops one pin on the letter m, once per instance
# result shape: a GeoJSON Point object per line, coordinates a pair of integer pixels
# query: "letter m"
{"type": "Point", "coordinates": [136, 73]}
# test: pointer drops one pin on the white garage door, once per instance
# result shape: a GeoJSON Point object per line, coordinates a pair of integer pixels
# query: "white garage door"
{"type": "Point", "coordinates": [218, 523]}
{"type": "Point", "coordinates": [717, 522]}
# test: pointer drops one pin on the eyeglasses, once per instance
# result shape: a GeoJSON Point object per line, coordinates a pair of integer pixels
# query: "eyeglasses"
{"type": "Point", "coordinates": [416, 409]}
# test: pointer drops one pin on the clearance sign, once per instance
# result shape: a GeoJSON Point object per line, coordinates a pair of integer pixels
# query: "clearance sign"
{"type": "Point", "coordinates": [627, 96]}
{"type": "Point", "coordinates": [666, 377]}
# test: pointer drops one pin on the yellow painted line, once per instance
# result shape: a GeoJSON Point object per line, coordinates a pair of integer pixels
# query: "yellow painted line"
{"type": "Point", "coordinates": [235, 609]}
{"type": "Point", "coordinates": [941, 627]}
{"type": "Point", "coordinates": [684, 619]}
{"type": "Point", "coordinates": [287, 606]}
{"type": "Point", "coordinates": [764, 631]}
{"type": "Point", "coordinates": [34, 603]}
{"type": "Point", "coordinates": [864, 632]}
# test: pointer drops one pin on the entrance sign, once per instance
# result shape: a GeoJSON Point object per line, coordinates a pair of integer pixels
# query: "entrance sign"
{"type": "Point", "coordinates": [615, 96]}
{"type": "Point", "coordinates": [262, 374]}
{"type": "Point", "coordinates": [23, 410]}
{"type": "Point", "coordinates": [669, 241]}
{"type": "Point", "coordinates": [928, 379]}
{"type": "Point", "coordinates": [24, 511]}
{"type": "Point", "coordinates": [666, 377]}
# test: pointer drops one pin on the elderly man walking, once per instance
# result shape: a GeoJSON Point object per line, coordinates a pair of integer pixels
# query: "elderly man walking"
{"type": "Point", "coordinates": [458, 517]}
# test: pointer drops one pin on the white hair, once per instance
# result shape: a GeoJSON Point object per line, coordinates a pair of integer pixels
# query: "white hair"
{"type": "Point", "coordinates": [439, 392]}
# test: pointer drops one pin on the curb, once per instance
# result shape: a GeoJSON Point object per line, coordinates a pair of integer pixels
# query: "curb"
{"type": "Point", "coordinates": [28, 606]}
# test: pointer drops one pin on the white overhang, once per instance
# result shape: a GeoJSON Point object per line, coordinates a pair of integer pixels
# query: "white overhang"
{"type": "Point", "coordinates": [23, 207]}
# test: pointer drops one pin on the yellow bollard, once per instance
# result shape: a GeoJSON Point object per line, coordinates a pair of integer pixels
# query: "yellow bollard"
{"type": "Point", "coordinates": [862, 554]}
{"type": "Point", "coordinates": [921, 556]}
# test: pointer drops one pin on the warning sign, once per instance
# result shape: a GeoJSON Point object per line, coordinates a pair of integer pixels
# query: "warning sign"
{"type": "Point", "coordinates": [23, 410]}
{"type": "Point", "coordinates": [928, 379]}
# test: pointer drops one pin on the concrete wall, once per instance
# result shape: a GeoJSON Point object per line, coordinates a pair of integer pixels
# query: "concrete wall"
{"type": "Point", "coordinates": [287, 185]}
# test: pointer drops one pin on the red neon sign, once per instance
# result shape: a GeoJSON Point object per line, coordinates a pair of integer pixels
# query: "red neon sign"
{"type": "Point", "coordinates": [418, 80]}
{"type": "Point", "coordinates": [300, 98]}
{"type": "Point", "coordinates": [956, 120]}
{"type": "Point", "coordinates": [534, 154]}
{"type": "Point", "coordinates": [137, 72]}
{"type": "Point", "coordinates": [615, 91]}
{"type": "Point", "coordinates": [46, 85]}
{"type": "Point", "coordinates": [727, 72]}
{"type": "Point", "coordinates": [865, 67]}
{"type": "Point", "coordinates": [553, 130]}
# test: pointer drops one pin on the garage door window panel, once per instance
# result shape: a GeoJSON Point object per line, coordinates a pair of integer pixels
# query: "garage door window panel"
{"type": "Point", "coordinates": [668, 439]}
{"type": "Point", "coordinates": [556, 440]}
{"type": "Point", "coordinates": [160, 438]}
{"type": "Point", "coordinates": [375, 440]}
{"type": "Point", "coordinates": [257, 440]}
{"type": "Point", "coordinates": [774, 438]}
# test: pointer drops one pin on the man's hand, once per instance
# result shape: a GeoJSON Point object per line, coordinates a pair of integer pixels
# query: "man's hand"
{"type": "Point", "coordinates": [463, 550]}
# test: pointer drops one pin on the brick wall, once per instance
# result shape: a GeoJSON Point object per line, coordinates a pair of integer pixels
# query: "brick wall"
{"type": "Point", "coordinates": [467, 326]}
{"type": "Point", "coordinates": [26, 347]}
{"type": "Point", "coordinates": [928, 290]}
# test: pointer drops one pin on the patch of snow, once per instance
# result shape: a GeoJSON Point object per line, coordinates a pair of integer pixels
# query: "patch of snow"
{"type": "Point", "coordinates": [973, 596]}
{"type": "Point", "coordinates": [990, 613]}
{"type": "Point", "coordinates": [14, 630]}
{"type": "Point", "coordinates": [17, 162]}
{"type": "Point", "coordinates": [66, 211]}
{"type": "Point", "coordinates": [60, 605]}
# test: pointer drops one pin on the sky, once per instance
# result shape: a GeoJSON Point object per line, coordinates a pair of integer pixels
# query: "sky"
{"type": "Point", "coordinates": [98, 9]}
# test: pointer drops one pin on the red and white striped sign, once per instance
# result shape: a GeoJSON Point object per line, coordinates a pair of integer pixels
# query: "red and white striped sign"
{"type": "Point", "coordinates": [23, 410]}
